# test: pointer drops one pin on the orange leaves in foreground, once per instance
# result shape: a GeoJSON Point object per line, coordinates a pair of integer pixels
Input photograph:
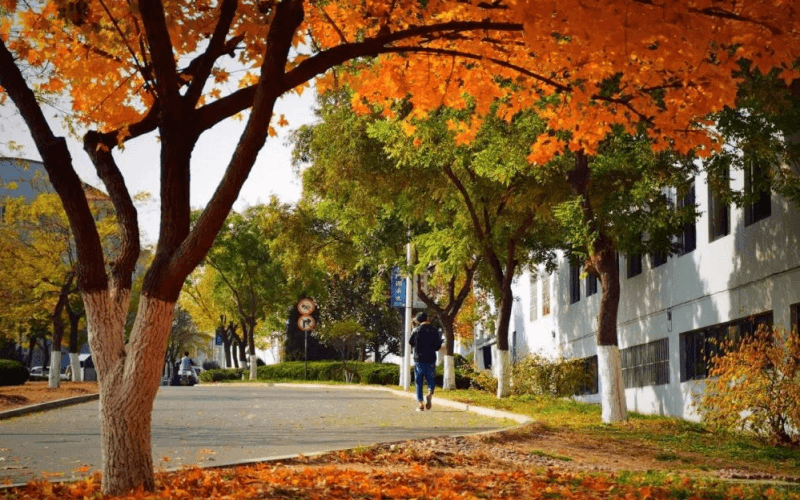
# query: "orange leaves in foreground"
{"type": "Point", "coordinates": [417, 481]}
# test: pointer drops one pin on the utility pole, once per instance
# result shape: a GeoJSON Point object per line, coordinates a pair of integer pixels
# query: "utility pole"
{"type": "Point", "coordinates": [406, 378]}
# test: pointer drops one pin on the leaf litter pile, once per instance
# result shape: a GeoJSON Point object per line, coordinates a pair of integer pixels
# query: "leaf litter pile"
{"type": "Point", "coordinates": [413, 470]}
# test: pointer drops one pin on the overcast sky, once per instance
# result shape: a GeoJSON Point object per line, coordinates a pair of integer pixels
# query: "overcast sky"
{"type": "Point", "coordinates": [272, 173]}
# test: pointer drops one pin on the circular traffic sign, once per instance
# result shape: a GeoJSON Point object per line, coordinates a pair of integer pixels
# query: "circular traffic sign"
{"type": "Point", "coordinates": [306, 306]}
{"type": "Point", "coordinates": [306, 322]}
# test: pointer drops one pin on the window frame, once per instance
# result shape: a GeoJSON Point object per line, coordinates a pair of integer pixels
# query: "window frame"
{"type": "Point", "coordinates": [761, 208]}
{"type": "Point", "coordinates": [574, 284]}
{"type": "Point", "coordinates": [719, 213]}
{"type": "Point", "coordinates": [687, 239]}
{"type": "Point", "coordinates": [694, 362]}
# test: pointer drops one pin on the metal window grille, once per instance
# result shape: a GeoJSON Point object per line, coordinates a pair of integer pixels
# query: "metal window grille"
{"type": "Point", "coordinates": [646, 364]}
{"type": "Point", "coordinates": [698, 347]}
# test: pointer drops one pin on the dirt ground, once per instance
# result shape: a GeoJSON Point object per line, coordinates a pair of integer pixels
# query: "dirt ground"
{"type": "Point", "coordinates": [533, 445]}
{"type": "Point", "coordinates": [37, 392]}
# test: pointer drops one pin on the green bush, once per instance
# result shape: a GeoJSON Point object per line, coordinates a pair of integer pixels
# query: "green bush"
{"type": "Point", "coordinates": [220, 374]}
{"type": "Point", "coordinates": [358, 372]}
{"type": "Point", "coordinates": [12, 372]}
{"type": "Point", "coordinates": [535, 375]}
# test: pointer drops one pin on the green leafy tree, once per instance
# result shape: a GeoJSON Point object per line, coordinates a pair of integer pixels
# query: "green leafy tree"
{"type": "Point", "coordinates": [622, 200]}
{"type": "Point", "coordinates": [249, 282]}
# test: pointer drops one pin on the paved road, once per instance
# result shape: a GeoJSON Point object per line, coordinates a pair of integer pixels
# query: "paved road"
{"type": "Point", "coordinates": [225, 424]}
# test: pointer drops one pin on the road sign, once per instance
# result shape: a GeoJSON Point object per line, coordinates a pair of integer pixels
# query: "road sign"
{"type": "Point", "coordinates": [398, 288]}
{"type": "Point", "coordinates": [218, 339]}
{"type": "Point", "coordinates": [306, 322]}
{"type": "Point", "coordinates": [306, 306]}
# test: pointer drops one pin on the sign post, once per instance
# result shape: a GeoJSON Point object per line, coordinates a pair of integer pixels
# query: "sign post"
{"type": "Point", "coordinates": [306, 323]}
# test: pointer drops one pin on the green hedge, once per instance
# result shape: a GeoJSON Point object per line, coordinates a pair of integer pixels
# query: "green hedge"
{"type": "Point", "coordinates": [13, 372]}
{"type": "Point", "coordinates": [220, 374]}
{"type": "Point", "coordinates": [363, 373]}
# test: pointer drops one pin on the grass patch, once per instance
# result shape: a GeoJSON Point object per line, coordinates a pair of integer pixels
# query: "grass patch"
{"type": "Point", "coordinates": [544, 454]}
{"type": "Point", "coordinates": [687, 444]}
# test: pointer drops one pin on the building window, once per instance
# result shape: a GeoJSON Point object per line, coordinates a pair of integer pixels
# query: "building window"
{"type": "Point", "coordinates": [659, 258]}
{"type": "Point", "coordinates": [634, 262]}
{"type": "Point", "coordinates": [719, 212]}
{"type": "Point", "coordinates": [687, 238]}
{"type": "Point", "coordinates": [574, 284]}
{"type": "Point", "coordinates": [546, 295]}
{"type": "Point", "coordinates": [591, 284]}
{"type": "Point", "coordinates": [795, 310]}
{"type": "Point", "coordinates": [646, 364]}
{"type": "Point", "coordinates": [756, 186]}
{"type": "Point", "coordinates": [534, 292]}
{"type": "Point", "coordinates": [698, 347]}
{"type": "Point", "coordinates": [590, 386]}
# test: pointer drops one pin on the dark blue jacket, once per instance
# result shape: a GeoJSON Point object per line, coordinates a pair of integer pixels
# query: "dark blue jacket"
{"type": "Point", "coordinates": [425, 340]}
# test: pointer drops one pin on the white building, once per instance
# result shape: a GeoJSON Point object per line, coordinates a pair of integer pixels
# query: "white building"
{"type": "Point", "coordinates": [744, 269]}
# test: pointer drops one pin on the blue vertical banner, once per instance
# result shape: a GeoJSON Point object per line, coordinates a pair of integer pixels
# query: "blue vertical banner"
{"type": "Point", "coordinates": [398, 288]}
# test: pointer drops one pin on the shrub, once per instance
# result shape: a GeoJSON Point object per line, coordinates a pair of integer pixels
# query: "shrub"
{"type": "Point", "coordinates": [220, 374]}
{"type": "Point", "coordinates": [536, 374]}
{"type": "Point", "coordinates": [756, 386]}
{"type": "Point", "coordinates": [12, 372]}
{"type": "Point", "coordinates": [365, 373]}
{"type": "Point", "coordinates": [210, 365]}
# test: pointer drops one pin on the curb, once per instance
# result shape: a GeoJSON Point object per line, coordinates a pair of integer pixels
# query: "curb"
{"type": "Point", "coordinates": [49, 405]}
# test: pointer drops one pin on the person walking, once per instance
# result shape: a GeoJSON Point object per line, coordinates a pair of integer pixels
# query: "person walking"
{"type": "Point", "coordinates": [426, 340]}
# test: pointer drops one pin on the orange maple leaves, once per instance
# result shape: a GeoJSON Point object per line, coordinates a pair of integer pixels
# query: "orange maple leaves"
{"type": "Point", "coordinates": [416, 481]}
{"type": "Point", "coordinates": [662, 63]}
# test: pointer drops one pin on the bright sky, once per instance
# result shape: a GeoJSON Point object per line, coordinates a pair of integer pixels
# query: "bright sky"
{"type": "Point", "coordinates": [139, 162]}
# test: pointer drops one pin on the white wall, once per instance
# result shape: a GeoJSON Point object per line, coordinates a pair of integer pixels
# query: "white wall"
{"type": "Point", "coordinates": [751, 270]}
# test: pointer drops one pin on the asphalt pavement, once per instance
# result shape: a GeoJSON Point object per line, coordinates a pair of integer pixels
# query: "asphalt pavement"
{"type": "Point", "coordinates": [227, 424]}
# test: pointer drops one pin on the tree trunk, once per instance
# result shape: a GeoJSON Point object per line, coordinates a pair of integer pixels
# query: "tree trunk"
{"type": "Point", "coordinates": [129, 376]}
{"type": "Point", "coordinates": [74, 353]}
{"type": "Point", "coordinates": [75, 367]}
{"type": "Point", "coordinates": [58, 332]}
{"type": "Point", "coordinates": [449, 379]}
{"type": "Point", "coordinates": [251, 347]}
{"type": "Point", "coordinates": [603, 261]}
{"type": "Point", "coordinates": [503, 369]}
{"type": "Point", "coordinates": [226, 346]}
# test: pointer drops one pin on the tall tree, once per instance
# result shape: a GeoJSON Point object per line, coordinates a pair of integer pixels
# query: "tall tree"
{"type": "Point", "coordinates": [499, 206]}
{"type": "Point", "coordinates": [120, 64]}
{"type": "Point", "coordinates": [38, 264]}
{"type": "Point", "coordinates": [350, 176]}
{"type": "Point", "coordinates": [623, 200]}
{"type": "Point", "coordinates": [249, 278]}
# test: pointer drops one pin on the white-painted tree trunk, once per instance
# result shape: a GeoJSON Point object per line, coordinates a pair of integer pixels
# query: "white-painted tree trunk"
{"type": "Point", "coordinates": [75, 367]}
{"type": "Point", "coordinates": [503, 374]}
{"type": "Point", "coordinates": [129, 376]}
{"type": "Point", "coordinates": [54, 380]}
{"type": "Point", "coordinates": [253, 367]}
{"type": "Point", "coordinates": [449, 381]}
{"type": "Point", "coordinates": [612, 388]}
